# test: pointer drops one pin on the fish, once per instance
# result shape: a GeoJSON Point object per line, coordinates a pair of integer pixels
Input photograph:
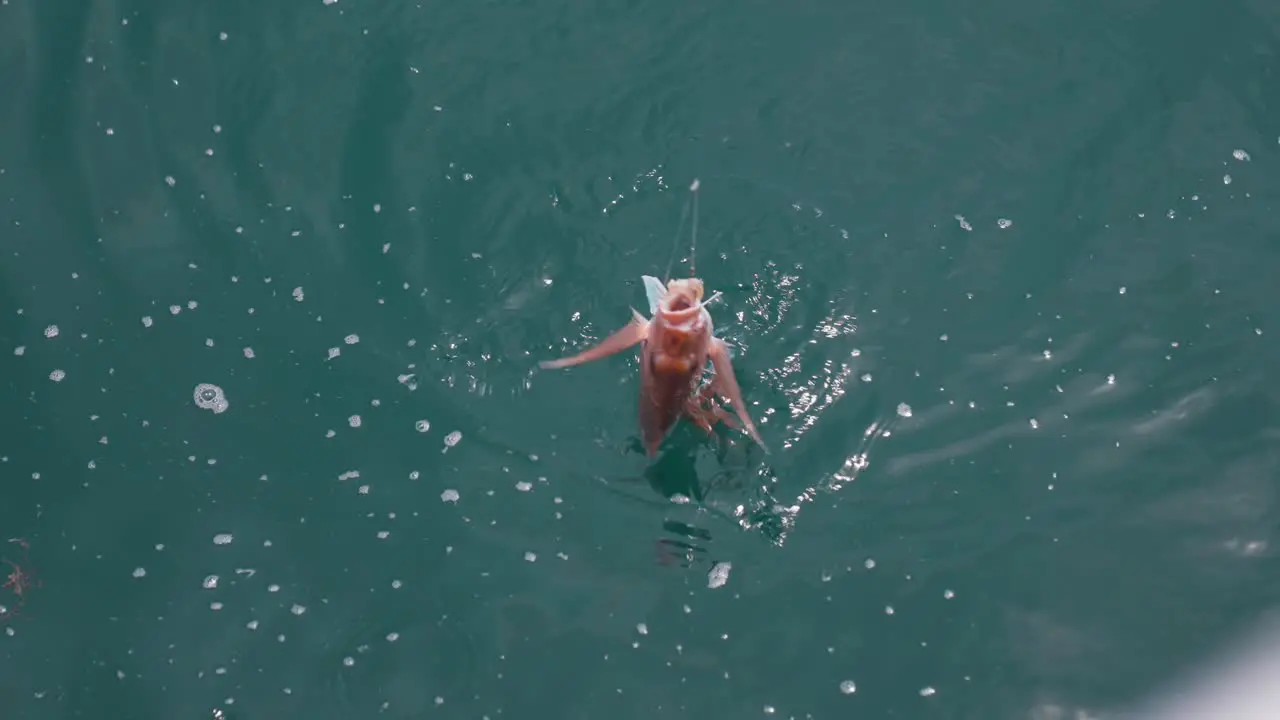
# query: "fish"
{"type": "Point", "coordinates": [676, 342]}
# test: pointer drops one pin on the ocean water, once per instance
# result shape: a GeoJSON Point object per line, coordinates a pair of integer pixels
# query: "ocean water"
{"type": "Point", "coordinates": [276, 279]}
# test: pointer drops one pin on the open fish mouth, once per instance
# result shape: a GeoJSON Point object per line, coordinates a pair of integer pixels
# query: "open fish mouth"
{"type": "Point", "coordinates": [682, 298]}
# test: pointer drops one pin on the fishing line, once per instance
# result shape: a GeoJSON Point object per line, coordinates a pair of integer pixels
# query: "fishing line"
{"type": "Point", "coordinates": [693, 243]}
{"type": "Point", "coordinates": [675, 241]}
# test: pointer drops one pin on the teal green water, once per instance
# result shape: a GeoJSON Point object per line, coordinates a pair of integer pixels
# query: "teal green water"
{"type": "Point", "coordinates": [1001, 280]}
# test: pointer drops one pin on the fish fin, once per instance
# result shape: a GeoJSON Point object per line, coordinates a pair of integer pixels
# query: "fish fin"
{"type": "Point", "coordinates": [726, 384]}
{"type": "Point", "coordinates": [653, 290]}
{"type": "Point", "coordinates": [626, 336]}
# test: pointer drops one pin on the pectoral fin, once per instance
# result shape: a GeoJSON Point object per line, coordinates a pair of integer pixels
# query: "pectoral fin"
{"type": "Point", "coordinates": [627, 336]}
{"type": "Point", "coordinates": [727, 385]}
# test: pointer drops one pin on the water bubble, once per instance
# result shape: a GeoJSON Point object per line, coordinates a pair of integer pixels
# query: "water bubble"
{"type": "Point", "coordinates": [848, 688]}
{"type": "Point", "coordinates": [422, 425]}
{"type": "Point", "coordinates": [298, 294]}
{"type": "Point", "coordinates": [904, 410]}
{"type": "Point", "coordinates": [297, 609]}
{"type": "Point", "coordinates": [354, 421]}
{"type": "Point", "coordinates": [209, 397]}
{"type": "Point", "coordinates": [222, 539]}
{"type": "Point", "coordinates": [139, 572]}
{"type": "Point", "coordinates": [927, 691]}
{"type": "Point", "coordinates": [530, 557]}
{"type": "Point", "coordinates": [248, 352]}
{"type": "Point", "coordinates": [452, 439]}
{"type": "Point", "coordinates": [51, 331]}
{"type": "Point", "coordinates": [450, 495]}
{"type": "Point", "coordinates": [57, 375]}
{"type": "Point", "coordinates": [351, 339]}
{"type": "Point", "coordinates": [1004, 223]}
{"type": "Point", "coordinates": [210, 582]}
{"type": "Point", "coordinates": [524, 486]}
{"type": "Point", "coordinates": [146, 321]}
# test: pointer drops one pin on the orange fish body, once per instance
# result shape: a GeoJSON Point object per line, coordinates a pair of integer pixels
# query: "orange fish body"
{"type": "Point", "coordinates": [675, 345]}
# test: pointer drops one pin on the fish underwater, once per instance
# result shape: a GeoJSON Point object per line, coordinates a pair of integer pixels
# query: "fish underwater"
{"type": "Point", "coordinates": [675, 344]}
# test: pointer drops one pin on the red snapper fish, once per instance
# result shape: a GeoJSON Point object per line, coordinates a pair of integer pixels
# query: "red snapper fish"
{"type": "Point", "coordinates": [675, 344]}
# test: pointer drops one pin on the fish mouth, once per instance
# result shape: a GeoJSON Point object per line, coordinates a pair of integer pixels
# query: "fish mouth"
{"type": "Point", "coordinates": [683, 299]}
{"type": "Point", "coordinates": [680, 308]}
{"type": "Point", "coordinates": [681, 303]}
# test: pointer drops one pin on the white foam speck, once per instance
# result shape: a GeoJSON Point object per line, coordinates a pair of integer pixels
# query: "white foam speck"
{"type": "Point", "coordinates": [139, 572]}
{"type": "Point", "coordinates": [848, 687]}
{"type": "Point", "coordinates": [719, 574]}
{"type": "Point", "coordinates": [904, 410]}
{"type": "Point", "coordinates": [530, 557]}
{"type": "Point", "coordinates": [210, 582]}
{"type": "Point", "coordinates": [524, 486]}
{"type": "Point", "coordinates": [450, 495]}
{"type": "Point", "coordinates": [222, 539]}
